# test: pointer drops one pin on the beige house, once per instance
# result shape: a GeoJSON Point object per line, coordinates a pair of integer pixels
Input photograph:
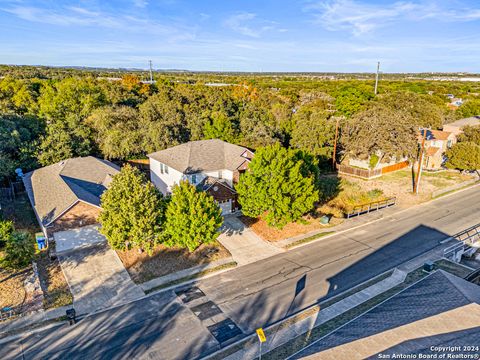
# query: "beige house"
{"type": "Point", "coordinates": [437, 142]}
{"type": "Point", "coordinates": [66, 195]}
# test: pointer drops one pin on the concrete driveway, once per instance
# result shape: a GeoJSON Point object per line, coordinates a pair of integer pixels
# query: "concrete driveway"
{"type": "Point", "coordinates": [95, 274]}
{"type": "Point", "coordinates": [244, 245]}
{"type": "Point", "coordinates": [78, 238]}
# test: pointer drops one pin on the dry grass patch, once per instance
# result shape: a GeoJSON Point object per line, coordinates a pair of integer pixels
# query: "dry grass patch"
{"type": "Point", "coordinates": [55, 288]}
{"type": "Point", "coordinates": [143, 267]}
{"type": "Point", "coordinates": [307, 224]}
{"type": "Point", "coordinates": [12, 292]}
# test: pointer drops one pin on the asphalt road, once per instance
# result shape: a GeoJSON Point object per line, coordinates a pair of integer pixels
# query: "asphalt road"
{"type": "Point", "coordinates": [164, 326]}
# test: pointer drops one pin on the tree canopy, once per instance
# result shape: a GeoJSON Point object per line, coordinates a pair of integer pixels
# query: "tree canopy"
{"type": "Point", "coordinates": [463, 156]}
{"type": "Point", "coordinates": [279, 185]}
{"type": "Point", "coordinates": [132, 211]}
{"type": "Point", "coordinates": [192, 218]}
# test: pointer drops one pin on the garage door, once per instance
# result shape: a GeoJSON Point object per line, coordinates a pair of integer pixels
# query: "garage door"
{"type": "Point", "coordinates": [226, 207]}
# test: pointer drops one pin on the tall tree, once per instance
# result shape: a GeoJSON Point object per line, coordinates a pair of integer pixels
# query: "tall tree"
{"type": "Point", "coordinates": [470, 134]}
{"type": "Point", "coordinates": [314, 132]}
{"type": "Point", "coordinates": [279, 185]}
{"type": "Point", "coordinates": [192, 218]}
{"type": "Point", "coordinates": [117, 131]}
{"type": "Point", "coordinates": [463, 156]}
{"type": "Point", "coordinates": [132, 211]}
{"type": "Point", "coordinates": [380, 129]}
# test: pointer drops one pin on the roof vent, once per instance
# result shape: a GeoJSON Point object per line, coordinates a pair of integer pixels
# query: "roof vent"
{"type": "Point", "coordinates": [215, 188]}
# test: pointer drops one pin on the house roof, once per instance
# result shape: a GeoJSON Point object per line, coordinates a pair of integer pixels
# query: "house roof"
{"type": "Point", "coordinates": [440, 309]}
{"type": "Point", "coordinates": [434, 135]}
{"type": "Point", "coordinates": [55, 188]}
{"type": "Point", "coordinates": [202, 155]}
{"type": "Point", "coordinates": [471, 121]}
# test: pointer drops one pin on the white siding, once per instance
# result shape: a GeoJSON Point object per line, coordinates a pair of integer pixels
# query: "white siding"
{"type": "Point", "coordinates": [164, 182]}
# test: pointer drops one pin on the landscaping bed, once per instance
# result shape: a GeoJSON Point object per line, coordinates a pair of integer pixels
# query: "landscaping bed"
{"type": "Point", "coordinates": [143, 267]}
{"type": "Point", "coordinates": [306, 225]}
{"type": "Point", "coordinates": [55, 288]}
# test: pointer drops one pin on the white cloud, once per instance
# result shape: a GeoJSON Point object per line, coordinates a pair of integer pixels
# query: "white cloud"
{"type": "Point", "coordinates": [360, 18]}
{"type": "Point", "coordinates": [248, 24]}
{"type": "Point", "coordinates": [140, 3]}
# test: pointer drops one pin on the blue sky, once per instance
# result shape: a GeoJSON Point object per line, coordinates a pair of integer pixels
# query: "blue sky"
{"type": "Point", "coordinates": [244, 35]}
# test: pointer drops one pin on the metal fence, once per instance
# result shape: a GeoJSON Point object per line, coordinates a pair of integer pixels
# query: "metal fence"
{"type": "Point", "coordinates": [465, 239]}
{"type": "Point", "coordinates": [372, 206]}
{"type": "Point", "coordinates": [9, 193]}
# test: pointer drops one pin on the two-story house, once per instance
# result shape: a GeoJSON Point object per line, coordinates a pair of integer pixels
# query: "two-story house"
{"type": "Point", "coordinates": [437, 142]}
{"type": "Point", "coordinates": [211, 165]}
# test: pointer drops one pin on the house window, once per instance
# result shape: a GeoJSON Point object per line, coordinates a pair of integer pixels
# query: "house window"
{"type": "Point", "coordinates": [449, 143]}
{"type": "Point", "coordinates": [220, 174]}
{"type": "Point", "coordinates": [166, 169]}
{"type": "Point", "coordinates": [161, 168]}
{"type": "Point", "coordinates": [194, 179]}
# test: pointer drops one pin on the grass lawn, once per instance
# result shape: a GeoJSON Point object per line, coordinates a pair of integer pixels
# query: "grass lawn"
{"type": "Point", "coordinates": [163, 261]}
{"type": "Point", "coordinates": [21, 213]}
{"type": "Point", "coordinates": [400, 184]}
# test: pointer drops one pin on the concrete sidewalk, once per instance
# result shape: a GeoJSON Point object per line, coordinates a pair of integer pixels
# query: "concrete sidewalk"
{"type": "Point", "coordinates": [244, 245]}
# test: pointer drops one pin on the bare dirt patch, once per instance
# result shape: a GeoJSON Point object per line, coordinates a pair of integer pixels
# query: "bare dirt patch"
{"type": "Point", "coordinates": [143, 267]}
{"type": "Point", "coordinates": [308, 224]}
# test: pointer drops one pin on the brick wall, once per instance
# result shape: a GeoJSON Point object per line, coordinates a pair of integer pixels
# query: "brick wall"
{"type": "Point", "coordinates": [81, 214]}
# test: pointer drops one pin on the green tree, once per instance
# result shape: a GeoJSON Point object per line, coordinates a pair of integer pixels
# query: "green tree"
{"type": "Point", "coordinates": [279, 185]}
{"type": "Point", "coordinates": [132, 211]}
{"type": "Point", "coordinates": [117, 131]}
{"type": "Point", "coordinates": [192, 218]}
{"type": "Point", "coordinates": [219, 126]}
{"type": "Point", "coordinates": [18, 143]}
{"type": "Point", "coordinates": [471, 107]}
{"type": "Point", "coordinates": [470, 134]}
{"type": "Point", "coordinates": [463, 156]}
{"type": "Point", "coordinates": [380, 129]}
{"type": "Point", "coordinates": [314, 132]}
{"type": "Point", "coordinates": [19, 247]}
{"type": "Point", "coordinates": [352, 99]}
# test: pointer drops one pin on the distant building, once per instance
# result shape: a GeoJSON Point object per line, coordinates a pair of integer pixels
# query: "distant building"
{"type": "Point", "coordinates": [437, 142]}
{"type": "Point", "coordinates": [457, 126]}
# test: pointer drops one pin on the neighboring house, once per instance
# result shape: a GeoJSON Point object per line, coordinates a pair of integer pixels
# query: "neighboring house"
{"type": "Point", "coordinates": [456, 126]}
{"type": "Point", "coordinates": [437, 142]}
{"type": "Point", "coordinates": [66, 195]}
{"type": "Point", "coordinates": [211, 165]}
{"type": "Point", "coordinates": [439, 311]}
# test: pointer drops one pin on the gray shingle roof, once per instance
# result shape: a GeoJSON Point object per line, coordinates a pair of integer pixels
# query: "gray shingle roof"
{"type": "Point", "coordinates": [471, 121]}
{"type": "Point", "coordinates": [202, 155]}
{"type": "Point", "coordinates": [54, 188]}
{"type": "Point", "coordinates": [441, 309]}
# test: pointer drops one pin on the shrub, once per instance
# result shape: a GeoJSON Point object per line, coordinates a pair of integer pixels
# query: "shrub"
{"type": "Point", "coordinates": [19, 250]}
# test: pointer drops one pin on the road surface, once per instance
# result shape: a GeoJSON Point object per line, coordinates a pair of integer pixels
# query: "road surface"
{"type": "Point", "coordinates": [233, 304]}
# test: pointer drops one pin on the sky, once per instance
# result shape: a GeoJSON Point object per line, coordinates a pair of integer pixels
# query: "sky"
{"type": "Point", "coordinates": [244, 35]}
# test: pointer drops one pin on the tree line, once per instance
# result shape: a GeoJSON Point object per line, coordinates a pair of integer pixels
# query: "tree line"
{"type": "Point", "coordinates": [72, 113]}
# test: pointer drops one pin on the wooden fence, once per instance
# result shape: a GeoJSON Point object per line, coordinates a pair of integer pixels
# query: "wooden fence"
{"type": "Point", "coordinates": [370, 173]}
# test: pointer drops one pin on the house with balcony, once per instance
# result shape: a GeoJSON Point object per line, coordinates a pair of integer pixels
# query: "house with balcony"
{"type": "Point", "coordinates": [212, 165]}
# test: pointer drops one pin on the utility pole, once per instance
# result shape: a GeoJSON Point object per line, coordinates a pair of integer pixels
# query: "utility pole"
{"type": "Point", "coordinates": [151, 72]}
{"type": "Point", "coordinates": [334, 158]}
{"type": "Point", "coordinates": [420, 163]}
{"type": "Point", "coordinates": [376, 77]}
